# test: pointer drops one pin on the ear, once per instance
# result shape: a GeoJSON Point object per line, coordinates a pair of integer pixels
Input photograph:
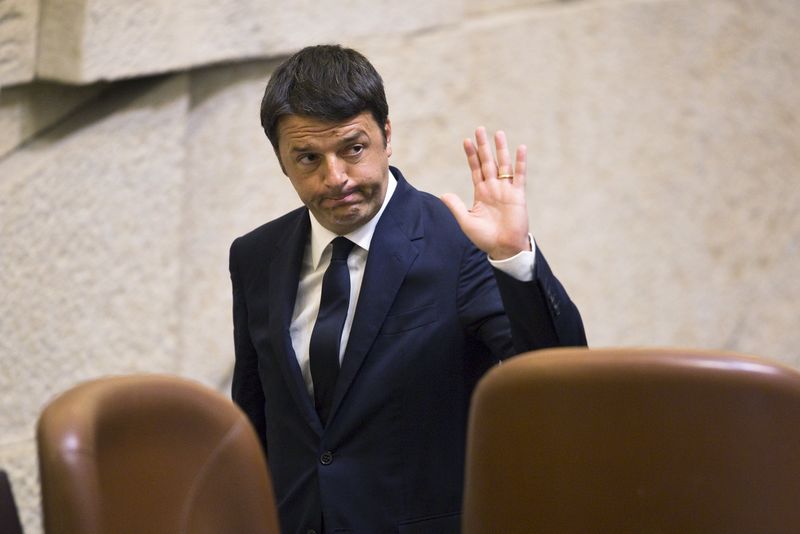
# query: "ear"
{"type": "Point", "coordinates": [387, 129]}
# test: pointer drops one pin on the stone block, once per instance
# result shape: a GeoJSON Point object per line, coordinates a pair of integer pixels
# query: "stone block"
{"type": "Point", "coordinates": [498, 7]}
{"type": "Point", "coordinates": [18, 32]}
{"type": "Point", "coordinates": [90, 216]}
{"type": "Point", "coordinates": [28, 109]}
{"type": "Point", "coordinates": [664, 150]}
{"type": "Point", "coordinates": [87, 40]}
{"type": "Point", "coordinates": [234, 184]}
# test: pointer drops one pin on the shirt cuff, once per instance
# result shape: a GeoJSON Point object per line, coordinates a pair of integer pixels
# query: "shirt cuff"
{"type": "Point", "coordinates": [519, 266]}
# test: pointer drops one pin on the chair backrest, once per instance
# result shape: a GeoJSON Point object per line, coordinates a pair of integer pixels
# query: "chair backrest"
{"type": "Point", "coordinates": [9, 518]}
{"type": "Point", "coordinates": [634, 440]}
{"type": "Point", "coordinates": [155, 454]}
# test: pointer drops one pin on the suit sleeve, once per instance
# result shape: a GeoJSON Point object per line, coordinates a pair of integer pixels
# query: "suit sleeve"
{"type": "Point", "coordinates": [540, 312]}
{"type": "Point", "coordinates": [246, 390]}
{"type": "Point", "coordinates": [510, 316]}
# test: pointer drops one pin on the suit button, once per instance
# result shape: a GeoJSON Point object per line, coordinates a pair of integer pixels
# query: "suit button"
{"type": "Point", "coordinates": [326, 458]}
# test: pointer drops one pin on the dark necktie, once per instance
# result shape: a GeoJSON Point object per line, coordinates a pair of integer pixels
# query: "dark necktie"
{"type": "Point", "coordinates": [327, 333]}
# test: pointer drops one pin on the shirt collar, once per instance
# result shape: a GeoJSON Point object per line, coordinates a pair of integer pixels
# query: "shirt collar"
{"type": "Point", "coordinates": [361, 236]}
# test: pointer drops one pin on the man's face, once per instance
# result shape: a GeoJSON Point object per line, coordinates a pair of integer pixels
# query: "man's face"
{"type": "Point", "coordinates": [339, 169]}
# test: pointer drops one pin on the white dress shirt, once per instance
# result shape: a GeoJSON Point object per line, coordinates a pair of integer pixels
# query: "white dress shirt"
{"type": "Point", "coordinates": [317, 257]}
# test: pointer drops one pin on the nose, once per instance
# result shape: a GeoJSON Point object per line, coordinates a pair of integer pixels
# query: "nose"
{"type": "Point", "coordinates": [334, 172]}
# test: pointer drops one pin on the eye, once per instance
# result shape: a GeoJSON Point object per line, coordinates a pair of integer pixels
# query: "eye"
{"type": "Point", "coordinates": [355, 150]}
{"type": "Point", "coordinates": [307, 159]}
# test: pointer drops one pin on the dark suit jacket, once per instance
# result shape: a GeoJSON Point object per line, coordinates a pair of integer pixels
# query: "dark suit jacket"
{"type": "Point", "coordinates": [429, 322]}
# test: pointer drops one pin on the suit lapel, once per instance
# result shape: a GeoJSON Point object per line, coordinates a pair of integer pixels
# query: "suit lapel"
{"type": "Point", "coordinates": [284, 277]}
{"type": "Point", "coordinates": [392, 252]}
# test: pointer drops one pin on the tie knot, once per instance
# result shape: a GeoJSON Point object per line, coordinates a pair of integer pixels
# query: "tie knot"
{"type": "Point", "coordinates": [341, 248]}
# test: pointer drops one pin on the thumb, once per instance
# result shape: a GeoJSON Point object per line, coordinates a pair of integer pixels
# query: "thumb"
{"type": "Point", "coordinates": [465, 218]}
{"type": "Point", "coordinates": [456, 206]}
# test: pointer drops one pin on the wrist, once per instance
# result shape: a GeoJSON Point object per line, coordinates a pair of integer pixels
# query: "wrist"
{"type": "Point", "coordinates": [503, 252]}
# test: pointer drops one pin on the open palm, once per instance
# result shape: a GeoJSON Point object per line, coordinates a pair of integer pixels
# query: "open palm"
{"type": "Point", "coordinates": [498, 221]}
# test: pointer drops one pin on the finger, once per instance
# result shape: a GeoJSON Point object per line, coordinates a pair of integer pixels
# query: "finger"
{"type": "Point", "coordinates": [521, 165]}
{"type": "Point", "coordinates": [488, 165]}
{"type": "Point", "coordinates": [456, 207]}
{"type": "Point", "coordinates": [473, 161]}
{"type": "Point", "coordinates": [503, 158]}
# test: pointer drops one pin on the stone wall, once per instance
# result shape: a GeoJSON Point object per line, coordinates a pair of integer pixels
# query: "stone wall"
{"type": "Point", "coordinates": [664, 179]}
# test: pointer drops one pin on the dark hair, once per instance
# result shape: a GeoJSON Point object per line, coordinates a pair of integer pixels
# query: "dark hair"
{"type": "Point", "coordinates": [324, 82]}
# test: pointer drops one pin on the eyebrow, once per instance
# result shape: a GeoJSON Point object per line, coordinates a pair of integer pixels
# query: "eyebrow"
{"type": "Point", "coordinates": [346, 140]}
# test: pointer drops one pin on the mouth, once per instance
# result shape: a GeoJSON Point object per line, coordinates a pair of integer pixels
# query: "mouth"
{"type": "Point", "coordinates": [343, 198]}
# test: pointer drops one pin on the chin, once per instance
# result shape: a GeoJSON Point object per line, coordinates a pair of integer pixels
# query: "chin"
{"type": "Point", "coordinates": [354, 216]}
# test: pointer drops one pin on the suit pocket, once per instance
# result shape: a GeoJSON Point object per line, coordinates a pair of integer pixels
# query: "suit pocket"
{"type": "Point", "coordinates": [408, 320]}
{"type": "Point", "coordinates": [439, 524]}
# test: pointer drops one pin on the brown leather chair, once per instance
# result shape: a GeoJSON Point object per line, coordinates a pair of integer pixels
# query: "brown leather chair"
{"type": "Point", "coordinates": [151, 454]}
{"type": "Point", "coordinates": [634, 440]}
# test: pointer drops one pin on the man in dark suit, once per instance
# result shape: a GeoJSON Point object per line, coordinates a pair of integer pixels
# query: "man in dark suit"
{"type": "Point", "coordinates": [364, 428]}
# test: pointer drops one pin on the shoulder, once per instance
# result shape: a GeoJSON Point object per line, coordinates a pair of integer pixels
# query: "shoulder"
{"type": "Point", "coordinates": [268, 236]}
{"type": "Point", "coordinates": [431, 212]}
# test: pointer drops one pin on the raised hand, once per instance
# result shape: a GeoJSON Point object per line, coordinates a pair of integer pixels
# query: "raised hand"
{"type": "Point", "coordinates": [498, 221]}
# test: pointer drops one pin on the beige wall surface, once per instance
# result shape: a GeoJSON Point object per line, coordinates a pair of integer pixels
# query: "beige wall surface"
{"type": "Point", "coordinates": [664, 168]}
{"type": "Point", "coordinates": [19, 20]}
